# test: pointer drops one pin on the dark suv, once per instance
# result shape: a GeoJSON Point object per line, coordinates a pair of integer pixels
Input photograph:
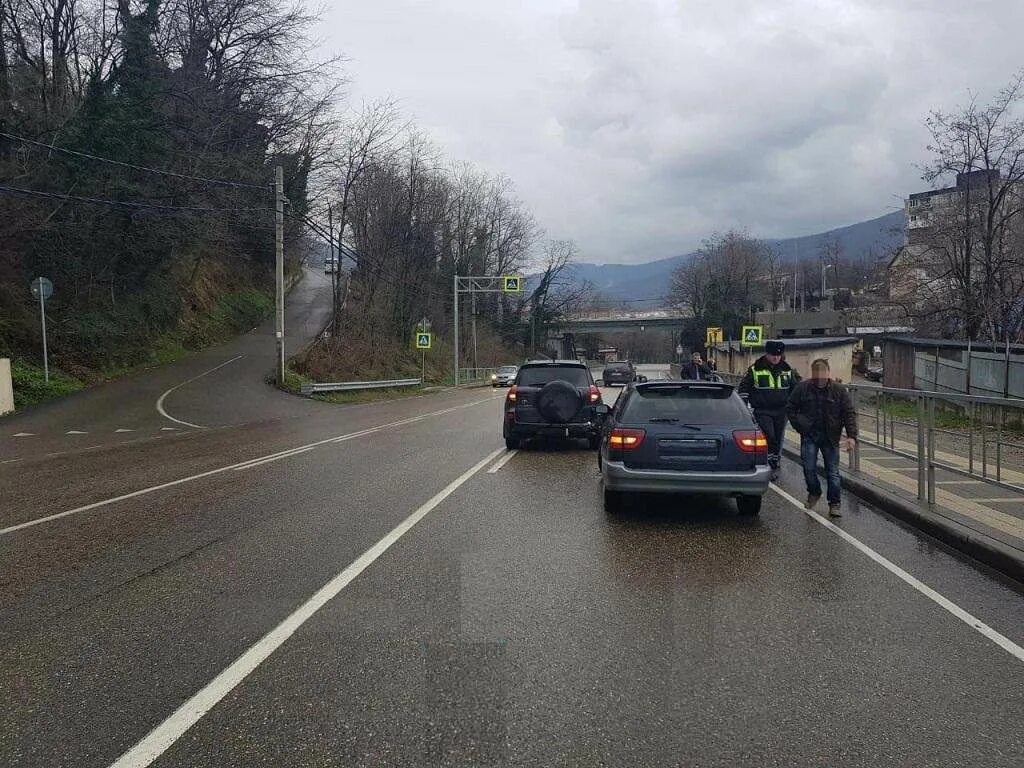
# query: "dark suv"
{"type": "Point", "coordinates": [619, 372]}
{"type": "Point", "coordinates": [552, 398]}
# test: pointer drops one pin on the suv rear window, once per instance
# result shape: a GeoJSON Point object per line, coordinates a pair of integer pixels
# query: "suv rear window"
{"type": "Point", "coordinates": [690, 405]}
{"type": "Point", "coordinates": [618, 366]}
{"type": "Point", "coordinates": [540, 375]}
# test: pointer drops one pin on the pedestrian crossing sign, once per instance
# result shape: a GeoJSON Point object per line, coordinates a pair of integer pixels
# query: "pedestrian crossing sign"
{"type": "Point", "coordinates": [423, 340]}
{"type": "Point", "coordinates": [752, 335]}
{"type": "Point", "coordinates": [511, 283]}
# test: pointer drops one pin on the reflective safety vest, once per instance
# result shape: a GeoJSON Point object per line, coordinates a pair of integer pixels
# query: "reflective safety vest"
{"type": "Point", "coordinates": [765, 379]}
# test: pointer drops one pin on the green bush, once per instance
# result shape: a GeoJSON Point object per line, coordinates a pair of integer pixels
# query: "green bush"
{"type": "Point", "coordinates": [31, 387]}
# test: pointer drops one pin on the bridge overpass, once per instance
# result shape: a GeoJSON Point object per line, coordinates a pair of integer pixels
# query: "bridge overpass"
{"type": "Point", "coordinates": [676, 322]}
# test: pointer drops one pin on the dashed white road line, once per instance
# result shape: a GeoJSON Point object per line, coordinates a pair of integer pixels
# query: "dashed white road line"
{"type": "Point", "coordinates": [75, 432]}
{"type": "Point", "coordinates": [970, 620]}
{"type": "Point", "coordinates": [160, 400]}
{"type": "Point", "coordinates": [240, 465]}
{"type": "Point", "coordinates": [188, 714]}
{"type": "Point", "coordinates": [501, 462]}
{"type": "Point", "coordinates": [124, 430]}
{"type": "Point", "coordinates": [24, 434]}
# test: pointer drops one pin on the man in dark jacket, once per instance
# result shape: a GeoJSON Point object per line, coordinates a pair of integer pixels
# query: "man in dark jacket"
{"type": "Point", "coordinates": [695, 369]}
{"type": "Point", "coordinates": [767, 385]}
{"type": "Point", "coordinates": [820, 409]}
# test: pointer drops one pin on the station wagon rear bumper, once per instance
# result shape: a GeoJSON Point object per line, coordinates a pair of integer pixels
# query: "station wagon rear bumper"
{"type": "Point", "coordinates": [618, 477]}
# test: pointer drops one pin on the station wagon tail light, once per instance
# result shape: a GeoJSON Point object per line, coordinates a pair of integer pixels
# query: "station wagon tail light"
{"type": "Point", "coordinates": [510, 398]}
{"type": "Point", "coordinates": [595, 394]}
{"type": "Point", "coordinates": [626, 439]}
{"type": "Point", "coordinates": [752, 441]}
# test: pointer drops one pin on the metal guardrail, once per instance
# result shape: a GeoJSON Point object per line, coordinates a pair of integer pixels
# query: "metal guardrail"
{"type": "Point", "coordinates": [346, 386]}
{"type": "Point", "coordinates": [467, 375]}
{"type": "Point", "coordinates": [984, 432]}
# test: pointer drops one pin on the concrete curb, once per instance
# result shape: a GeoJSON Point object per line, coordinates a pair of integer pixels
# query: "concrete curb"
{"type": "Point", "coordinates": [982, 548]}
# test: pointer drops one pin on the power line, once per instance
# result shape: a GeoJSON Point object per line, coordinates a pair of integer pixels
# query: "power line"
{"type": "Point", "coordinates": [172, 174]}
{"type": "Point", "coordinates": [125, 203]}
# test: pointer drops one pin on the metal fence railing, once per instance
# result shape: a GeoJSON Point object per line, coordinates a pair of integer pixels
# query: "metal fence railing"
{"type": "Point", "coordinates": [968, 435]}
{"type": "Point", "coordinates": [470, 375]}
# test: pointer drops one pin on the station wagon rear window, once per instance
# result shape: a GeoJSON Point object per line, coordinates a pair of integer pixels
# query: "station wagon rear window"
{"type": "Point", "coordinates": [690, 405]}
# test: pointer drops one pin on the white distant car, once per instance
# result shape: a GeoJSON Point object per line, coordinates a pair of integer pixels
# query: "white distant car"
{"type": "Point", "coordinates": [330, 265]}
{"type": "Point", "coordinates": [504, 376]}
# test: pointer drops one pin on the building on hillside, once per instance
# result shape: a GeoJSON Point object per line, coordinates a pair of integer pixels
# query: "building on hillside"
{"type": "Point", "coordinates": [800, 352]}
{"type": "Point", "coordinates": [927, 210]}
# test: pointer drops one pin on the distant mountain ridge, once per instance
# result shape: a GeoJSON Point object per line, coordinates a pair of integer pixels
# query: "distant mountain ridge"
{"type": "Point", "coordinates": [651, 279]}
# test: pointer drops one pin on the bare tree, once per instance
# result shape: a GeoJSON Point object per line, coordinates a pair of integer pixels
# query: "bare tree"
{"type": "Point", "coordinates": [968, 259]}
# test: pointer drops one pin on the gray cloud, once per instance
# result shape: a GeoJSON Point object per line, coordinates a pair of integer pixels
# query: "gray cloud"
{"type": "Point", "coordinates": [639, 127]}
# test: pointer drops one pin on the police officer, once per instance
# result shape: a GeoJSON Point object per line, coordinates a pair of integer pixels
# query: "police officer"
{"type": "Point", "coordinates": [767, 385]}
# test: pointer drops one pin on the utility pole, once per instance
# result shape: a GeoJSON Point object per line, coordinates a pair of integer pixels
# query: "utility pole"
{"type": "Point", "coordinates": [476, 363]}
{"type": "Point", "coordinates": [279, 248]}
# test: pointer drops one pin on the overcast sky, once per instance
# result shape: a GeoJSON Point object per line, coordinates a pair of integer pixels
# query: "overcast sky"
{"type": "Point", "coordinates": [638, 127]}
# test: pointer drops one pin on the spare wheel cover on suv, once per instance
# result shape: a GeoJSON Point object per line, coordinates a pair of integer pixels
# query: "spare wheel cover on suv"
{"type": "Point", "coordinates": [558, 401]}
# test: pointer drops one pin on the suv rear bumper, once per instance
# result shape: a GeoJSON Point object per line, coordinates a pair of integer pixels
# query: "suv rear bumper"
{"type": "Point", "coordinates": [618, 477]}
{"type": "Point", "coordinates": [539, 429]}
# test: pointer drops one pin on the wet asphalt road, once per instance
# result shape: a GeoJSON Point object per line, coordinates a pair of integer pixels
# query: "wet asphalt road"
{"type": "Point", "coordinates": [514, 624]}
{"type": "Point", "coordinates": [223, 385]}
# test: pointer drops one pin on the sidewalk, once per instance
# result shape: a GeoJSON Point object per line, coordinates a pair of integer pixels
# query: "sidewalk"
{"type": "Point", "coordinates": [983, 519]}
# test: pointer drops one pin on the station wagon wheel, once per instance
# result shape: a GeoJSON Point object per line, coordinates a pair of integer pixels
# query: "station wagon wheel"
{"type": "Point", "coordinates": [748, 506]}
{"type": "Point", "coordinates": [612, 501]}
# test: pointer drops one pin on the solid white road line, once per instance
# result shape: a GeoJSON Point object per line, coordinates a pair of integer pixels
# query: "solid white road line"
{"type": "Point", "coordinates": [976, 624]}
{"type": "Point", "coordinates": [240, 465]}
{"type": "Point", "coordinates": [188, 714]}
{"type": "Point", "coordinates": [501, 462]}
{"type": "Point", "coordinates": [160, 400]}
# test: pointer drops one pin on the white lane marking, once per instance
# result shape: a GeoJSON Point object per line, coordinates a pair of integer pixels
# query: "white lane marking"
{"type": "Point", "coordinates": [239, 465]}
{"type": "Point", "coordinates": [124, 430]}
{"type": "Point", "coordinates": [168, 429]}
{"type": "Point", "coordinates": [972, 621]}
{"type": "Point", "coordinates": [75, 432]}
{"type": "Point", "coordinates": [24, 434]}
{"type": "Point", "coordinates": [160, 400]}
{"type": "Point", "coordinates": [501, 462]}
{"type": "Point", "coordinates": [157, 741]}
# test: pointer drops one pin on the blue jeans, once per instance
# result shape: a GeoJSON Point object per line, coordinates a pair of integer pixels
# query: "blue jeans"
{"type": "Point", "coordinates": [830, 455]}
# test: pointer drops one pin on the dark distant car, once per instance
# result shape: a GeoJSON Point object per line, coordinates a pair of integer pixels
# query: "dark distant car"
{"type": "Point", "coordinates": [874, 374]}
{"type": "Point", "coordinates": [552, 398]}
{"type": "Point", "coordinates": [693, 437]}
{"type": "Point", "coordinates": [504, 376]}
{"type": "Point", "coordinates": [621, 372]}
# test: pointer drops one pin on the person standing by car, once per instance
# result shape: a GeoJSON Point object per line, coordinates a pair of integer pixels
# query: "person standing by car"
{"type": "Point", "coordinates": [695, 369]}
{"type": "Point", "coordinates": [820, 409]}
{"type": "Point", "coordinates": [767, 385]}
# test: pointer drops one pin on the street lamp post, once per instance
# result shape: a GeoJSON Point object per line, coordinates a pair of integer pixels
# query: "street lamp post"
{"type": "Point", "coordinates": [823, 268]}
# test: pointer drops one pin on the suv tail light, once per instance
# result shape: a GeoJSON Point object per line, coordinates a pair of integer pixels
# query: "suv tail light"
{"type": "Point", "coordinates": [752, 441]}
{"type": "Point", "coordinates": [510, 398]}
{"type": "Point", "coordinates": [595, 394]}
{"type": "Point", "coordinates": [626, 439]}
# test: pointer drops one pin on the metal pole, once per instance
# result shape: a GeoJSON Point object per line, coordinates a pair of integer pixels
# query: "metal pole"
{"type": "Point", "coordinates": [455, 302]}
{"type": "Point", "coordinates": [423, 366]}
{"type": "Point", "coordinates": [476, 363]}
{"type": "Point", "coordinates": [921, 491]}
{"type": "Point", "coordinates": [931, 451]}
{"type": "Point", "coordinates": [42, 315]}
{"type": "Point", "coordinates": [1006, 371]}
{"type": "Point", "coordinates": [999, 443]}
{"type": "Point", "coordinates": [279, 258]}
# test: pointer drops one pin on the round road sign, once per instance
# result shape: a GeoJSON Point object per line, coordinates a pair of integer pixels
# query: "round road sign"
{"type": "Point", "coordinates": [42, 287]}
